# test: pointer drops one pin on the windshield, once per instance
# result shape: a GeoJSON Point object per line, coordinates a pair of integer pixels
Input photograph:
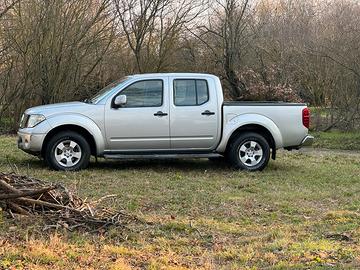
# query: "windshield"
{"type": "Point", "coordinates": [103, 92]}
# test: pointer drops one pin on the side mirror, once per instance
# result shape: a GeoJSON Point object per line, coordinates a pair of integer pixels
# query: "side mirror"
{"type": "Point", "coordinates": [120, 101]}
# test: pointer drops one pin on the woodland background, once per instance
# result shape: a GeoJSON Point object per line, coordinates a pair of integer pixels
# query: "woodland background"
{"type": "Point", "coordinates": [282, 50]}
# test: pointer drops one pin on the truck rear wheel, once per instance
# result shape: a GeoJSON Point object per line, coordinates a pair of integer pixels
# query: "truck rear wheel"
{"type": "Point", "coordinates": [67, 151]}
{"type": "Point", "coordinates": [250, 151]}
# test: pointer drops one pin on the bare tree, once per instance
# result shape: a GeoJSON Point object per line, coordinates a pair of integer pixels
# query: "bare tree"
{"type": "Point", "coordinates": [152, 28]}
{"type": "Point", "coordinates": [54, 47]}
{"type": "Point", "coordinates": [227, 36]}
{"type": "Point", "coordinates": [59, 50]}
{"type": "Point", "coordinates": [6, 6]}
{"type": "Point", "coordinates": [339, 46]}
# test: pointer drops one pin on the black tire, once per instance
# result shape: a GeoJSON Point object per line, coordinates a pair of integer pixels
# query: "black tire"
{"type": "Point", "coordinates": [236, 156]}
{"type": "Point", "coordinates": [82, 149]}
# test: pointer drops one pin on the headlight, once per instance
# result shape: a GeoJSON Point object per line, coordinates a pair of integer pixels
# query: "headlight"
{"type": "Point", "coordinates": [23, 120]}
{"type": "Point", "coordinates": [34, 120]}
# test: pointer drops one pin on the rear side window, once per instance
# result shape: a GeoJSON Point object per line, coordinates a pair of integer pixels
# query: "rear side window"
{"type": "Point", "coordinates": [188, 92]}
{"type": "Point", "coordinates": [144, 94]}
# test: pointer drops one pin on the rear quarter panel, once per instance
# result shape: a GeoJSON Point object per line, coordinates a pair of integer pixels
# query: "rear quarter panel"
{"type": "Point", "coordinates": [283, 120]}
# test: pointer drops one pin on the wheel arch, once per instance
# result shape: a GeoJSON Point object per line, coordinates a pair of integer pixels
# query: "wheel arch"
{"type": "Point", "coordinates": [261, 130]}
{"type": "Point", "coordinates": [251, 123]}
{"type": "Point", "coordinates": [75, 128]}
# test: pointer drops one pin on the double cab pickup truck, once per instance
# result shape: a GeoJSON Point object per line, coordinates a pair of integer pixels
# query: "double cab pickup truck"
{"type": "Point", "coordinates": [173, 115]}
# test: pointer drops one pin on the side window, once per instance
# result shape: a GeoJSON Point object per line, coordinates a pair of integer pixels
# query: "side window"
{"type": "Point", "coordinates": [144, 94]}
{"type": "Point", "coordinates": [188, 92]}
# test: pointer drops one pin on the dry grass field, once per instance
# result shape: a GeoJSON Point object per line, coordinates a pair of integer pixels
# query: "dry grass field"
{"type": "Point", "coordinates": [302, 212]}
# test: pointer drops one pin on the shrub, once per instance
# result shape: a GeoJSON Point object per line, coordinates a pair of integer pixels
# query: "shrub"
{"type": "Point", "coordinates": [267, 85]}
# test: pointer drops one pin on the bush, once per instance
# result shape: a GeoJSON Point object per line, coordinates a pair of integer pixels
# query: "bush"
{"type": "Point", "coordinates": [267, 85]}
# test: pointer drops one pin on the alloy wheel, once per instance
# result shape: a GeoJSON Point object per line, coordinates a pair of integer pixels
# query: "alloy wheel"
{"type": "Point", "coordinates": [68, 153]}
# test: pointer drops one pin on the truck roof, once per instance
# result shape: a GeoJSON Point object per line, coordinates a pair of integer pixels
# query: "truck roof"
{"type": "Point", "coordinates": [148, 75]}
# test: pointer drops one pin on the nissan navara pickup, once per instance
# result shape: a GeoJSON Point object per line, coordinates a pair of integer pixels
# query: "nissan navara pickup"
{"type": "Point", "coordinates": [174, 115]}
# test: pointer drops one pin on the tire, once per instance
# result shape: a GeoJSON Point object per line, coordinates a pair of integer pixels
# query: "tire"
{"type": "Point", "coordinates": [67, 151]}
{"type": "Point", "coordinates": [250, 151]}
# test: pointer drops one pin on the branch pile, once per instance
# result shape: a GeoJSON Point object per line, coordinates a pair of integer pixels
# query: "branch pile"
{"type": "Point", "coordinates": [22, 195]}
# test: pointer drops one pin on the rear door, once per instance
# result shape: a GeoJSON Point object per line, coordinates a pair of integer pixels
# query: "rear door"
{"type": "Point", "coordinates": [194, 120]}
{"type": "Point", "coordinates": [143, 123]}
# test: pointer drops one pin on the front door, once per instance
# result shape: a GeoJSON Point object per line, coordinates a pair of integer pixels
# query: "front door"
{"type": "Point", "coordinates": [142, 124]}
{"type": "Point", "coordinates": [194, 114]}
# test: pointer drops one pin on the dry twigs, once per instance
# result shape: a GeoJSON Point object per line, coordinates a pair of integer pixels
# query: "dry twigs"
{"type": "Point", "coordinates": [22, 195]}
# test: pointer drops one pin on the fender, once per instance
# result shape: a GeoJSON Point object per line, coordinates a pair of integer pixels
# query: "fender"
{"type": "Point", "coordinates": [249, 119]}
{"type": "Point", "coordinates": [81, 121]}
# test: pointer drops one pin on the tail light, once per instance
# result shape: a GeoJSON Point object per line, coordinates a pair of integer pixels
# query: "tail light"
{"type": "Point", "coordinates": [306, 117]}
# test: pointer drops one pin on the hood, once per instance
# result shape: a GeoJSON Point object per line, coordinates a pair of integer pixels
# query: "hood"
{"type": "Point", "coordinates": [61, 108]}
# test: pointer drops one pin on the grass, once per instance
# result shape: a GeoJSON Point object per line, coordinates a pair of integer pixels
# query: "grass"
{"type": "Point", "coordinates": [338, 140]}
{"type": "Point", "coordinates": [204, 215]}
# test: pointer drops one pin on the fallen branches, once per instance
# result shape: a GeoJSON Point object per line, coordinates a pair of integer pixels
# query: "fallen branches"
{"type": "Point", "coordinates": [25, 194]}
{"type": "Point", "coordinates": [57, 205]}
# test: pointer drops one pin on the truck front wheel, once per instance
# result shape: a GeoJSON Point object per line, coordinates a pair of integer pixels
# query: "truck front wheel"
{"type": "Point", "coordinates": [250, 151]}
{"type": "Point", "coordinates": [67, 151]}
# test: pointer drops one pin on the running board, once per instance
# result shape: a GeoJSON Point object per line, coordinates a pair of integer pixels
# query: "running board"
{"type": "Point", "coordinates": [160, 156]}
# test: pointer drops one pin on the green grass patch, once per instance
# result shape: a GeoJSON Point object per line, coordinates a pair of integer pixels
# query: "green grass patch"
{"type": "Point", "coordinates": [337, 140]}
{"type": "Point", "coordinates": [201, 215]}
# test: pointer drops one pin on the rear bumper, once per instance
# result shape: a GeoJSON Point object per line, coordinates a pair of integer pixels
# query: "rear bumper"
{"type": "Point", "coordinates": [30, 143]}
{"type": "Point", "coordinates": [307, 141]}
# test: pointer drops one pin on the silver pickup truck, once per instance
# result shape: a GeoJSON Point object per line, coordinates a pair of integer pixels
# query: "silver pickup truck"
{"type": "Point", "coordinates": [174, 115]}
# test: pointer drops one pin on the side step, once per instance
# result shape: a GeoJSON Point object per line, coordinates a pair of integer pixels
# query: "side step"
{"type": "Point", "coordinates": [160, 156]}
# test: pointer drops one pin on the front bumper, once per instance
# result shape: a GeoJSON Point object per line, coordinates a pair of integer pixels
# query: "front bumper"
{"type": "Point", "coordinates": [307, 141]}
{"type": "Point", "coordinates": [30, 143]}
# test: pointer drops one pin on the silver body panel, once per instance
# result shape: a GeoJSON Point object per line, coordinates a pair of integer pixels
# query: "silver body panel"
{"type": "Point", "coordinates": [137, 129]}
{"type": "Point", "coordinates": [189, 129]}
{"type": "Point", "coordinates": [184, 128]}
{"type": "Point", "coordinates": [283, 122]}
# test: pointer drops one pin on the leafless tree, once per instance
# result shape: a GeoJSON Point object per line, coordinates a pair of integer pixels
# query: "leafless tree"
{"type": "Point", "coordinates": [55, 46]}
{"type": "Point", "coordinates": [59, 50]}
{"type": "Point", "coordinates": [227, 36]}
{"type": "Point", "coordinates": [152, 28]}
{"type": "Point", "coordinates": [6, 6]}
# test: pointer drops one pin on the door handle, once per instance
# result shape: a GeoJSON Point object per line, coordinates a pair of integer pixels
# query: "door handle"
{"type": "Point", "coordinates": [207, 112]}
{"type": "Point", "coordinates": [160, 114]}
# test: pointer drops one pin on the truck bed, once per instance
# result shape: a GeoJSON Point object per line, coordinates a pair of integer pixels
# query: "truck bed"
{"type": "Point", "coordinates": [262, 103]}
{"type": "Point", "coordinates": [287, 117]}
